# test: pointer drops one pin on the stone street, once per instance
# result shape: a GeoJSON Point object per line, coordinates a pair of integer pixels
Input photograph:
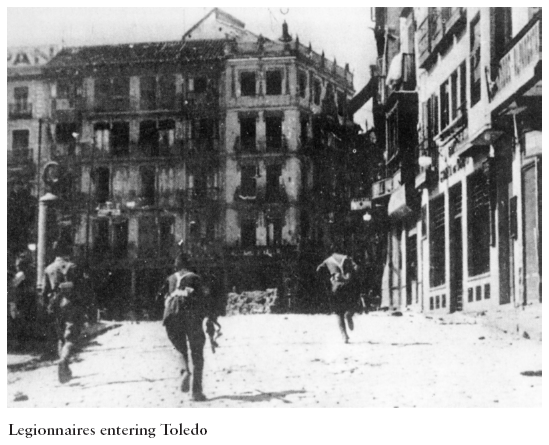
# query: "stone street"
{"type": "Point", "coordinates": [300, 361]}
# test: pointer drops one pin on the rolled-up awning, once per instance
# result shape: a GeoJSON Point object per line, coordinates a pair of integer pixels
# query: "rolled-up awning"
{"type": "Point", "coordinates": [399, 207]}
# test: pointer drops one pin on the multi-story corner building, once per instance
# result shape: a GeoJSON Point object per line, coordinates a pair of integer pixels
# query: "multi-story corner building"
{"type": "Point", "coordinates": [477, 241]}
{"type": "Point", "coordinates": [209, 140]}
{"type": "Point", "coordinates": [28, 110]}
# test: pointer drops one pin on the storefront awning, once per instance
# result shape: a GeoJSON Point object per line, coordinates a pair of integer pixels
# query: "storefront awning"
{"type": "Point", "coordinates": [399, 207]}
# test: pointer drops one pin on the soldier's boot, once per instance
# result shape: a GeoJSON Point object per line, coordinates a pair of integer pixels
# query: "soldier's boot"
{"type": "Point", "coordinates": [198, 366]}
{"type": "Point", "coordinates": [342, 330]}
{"type": "Point", "coordinates": [349, 318]}
{"type": "Point", "coordinates": [63, 371]}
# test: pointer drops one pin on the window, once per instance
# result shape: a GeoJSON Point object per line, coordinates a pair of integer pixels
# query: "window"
{"type": "Point", "coordinates": [120, 239]}
{"type": "Point", "coordinates": [102, 136]}
{"type": "Point", "coordinates": [274, 82]}
{"type": "Point", "coordinates": [147, 87]}
{"type": "Point", "coordinates": [248, 181]}
{"type": "Point", "coordinates": [444, 106]}
{"type": "Point", "coordinates": [304, 133]}
{"type": "Point", "coordinates": [273, 190]}
{"type": "Point", "coordinates": [20, 140]}
{"type": "Point", "coordinates": [204, 129]}
{"type": "Point", "coordinates": [248, 233]}
{"type": "Point", "coordinates": [101, 178]}
{"type": "Point", "coordinates": [112, 94]}
{"type": "Point", "coordinates": [475, 61]}
{"type": "Point", "coordinates": [247, 83]}
{"type": "Point", "coordinates": [478, 222]}
{"type": "Point", "coordinates": [200, 85]}
{"type": "Point", "coordinates": [302, 83]}
{"type": "Point", "coordinates": [147, 237]}
{"type": "Point", "coordinates": [273, 130]}
{"type": "Point", "coordinates": [454, 95]}
{"type": "Point", "coordinates": [120, 138]}
{"type": "Point", "coordinates": [64, 135]}
{"type": "Point", "coordinates": [462, 87]}
{"type": "Point", "coordinates": [247, 133]}
{"type": "Point", "coordinates": [148, 138]}
{"type": "Point", "coordinates": [101, 236]}
{"type": "Point", "coordinates": [503, 30]}
{"type": "Point", "coordinates": [317, 91]}
{"type": "Point", "coordinates": [166, 234]}
{"type": "Point", "coordinates": [274, 231]}
{"type": "Point", "coordinates": [166, 136]}
{"type": "Point", "coordinates": [21, 97]}
{"type": "Point", "coordinates": [148, 184]}
{"type": "Point", "coordinates": [437, 242]}
{"type": "Point", "coordinates": [166, 92]}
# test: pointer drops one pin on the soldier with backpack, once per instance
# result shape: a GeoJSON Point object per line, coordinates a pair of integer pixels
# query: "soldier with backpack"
{"type": "Point", "coordinates": [61, 286]}
{"type": "Point", "coordinates": [187, 307]}
{"type": "Point", "coordinates": [341, 270]}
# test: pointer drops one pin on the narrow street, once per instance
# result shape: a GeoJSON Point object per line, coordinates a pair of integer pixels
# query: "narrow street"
{"type": "Point", "coordinates": [299, 361]}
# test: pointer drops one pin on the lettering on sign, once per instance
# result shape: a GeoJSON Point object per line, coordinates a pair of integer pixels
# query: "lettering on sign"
{"type": "Point", "coordinates": [21, 57]}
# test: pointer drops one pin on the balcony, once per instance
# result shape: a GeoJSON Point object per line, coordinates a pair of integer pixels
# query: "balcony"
{"type": "Point", "coordinates": [386, 186]}
{"type": "Point", "coordinates": [20, 110]}
{"type": "Point", "coordinates": [519, 65]}
{"type": "Point", "coordinates": [20, 156]}
{"type": "Point", "coordinates": [67, 109]}
{"type": "Point", "coordinates": [246, 145]}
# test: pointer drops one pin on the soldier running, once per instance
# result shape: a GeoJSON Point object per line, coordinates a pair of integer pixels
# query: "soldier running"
{"type": "Point", "coordinates": [186, 308]}
{"type": "Point", "coordinates": [61, 287]}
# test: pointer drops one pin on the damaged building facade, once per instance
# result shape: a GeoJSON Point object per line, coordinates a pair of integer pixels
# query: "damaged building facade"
{"type": "Point", "coordinates": [209, 140]}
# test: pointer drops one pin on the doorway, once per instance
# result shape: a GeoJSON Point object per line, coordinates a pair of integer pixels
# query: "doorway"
{"type": "Point", "coordinates": [456, 248]}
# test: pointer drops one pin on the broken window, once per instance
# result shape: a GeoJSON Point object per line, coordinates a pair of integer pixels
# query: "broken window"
{"type": "Point", "coordinates": [248, 237]}
{"type": "Point", "coordinates": [273, 129]}
{"type": "Point", "coordinates": [166, 92]}
{"type": "Point", "coordinates": [166, 136]}
{"type": "Point", "coordinates": [120, 138]}
{"type": "Point", "coordinates": [247, 83]}
{"type": "Point", "coordinates": [302, 83]}
{"type": "Point", "coordinates": [147, 87]}
{"type": "Point", "coordinates": [274, 82]}
{"type": "Point", "coordinates": [273, 189]}
{"type": "Point", "coordinates": [101, 236]}
{"type": "Point", "coordinates": [248, 181]}
{"type": "Point", "coordinates": [101, 177]}
{"type": "Point", "coordinates": [247, 133]}
{"type": "Point", "coordinates": [120, 239]}
{"type": "Point", "coordinates": [317, 91]}
{"type": "Point", "coordinates": [102, 136]}
{"type": "Point", "coordinates": [148, 184]}
{"type": "Point", "coordinates": [148, 138]}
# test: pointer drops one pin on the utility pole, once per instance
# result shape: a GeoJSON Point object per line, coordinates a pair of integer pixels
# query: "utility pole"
{"type": "Point", "coordinates": [88, 215]}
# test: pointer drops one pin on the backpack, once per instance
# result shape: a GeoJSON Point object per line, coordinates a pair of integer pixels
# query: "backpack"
{"type": "Point", "coordinates": [181, 298]}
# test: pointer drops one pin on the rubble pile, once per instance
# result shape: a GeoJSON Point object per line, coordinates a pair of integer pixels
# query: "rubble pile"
{"type": "Point", "coordinates": [254, 302]}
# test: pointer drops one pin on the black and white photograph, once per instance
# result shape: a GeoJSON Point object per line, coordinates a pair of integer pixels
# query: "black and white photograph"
{"type": "Point", "coordinates": [274, 207]}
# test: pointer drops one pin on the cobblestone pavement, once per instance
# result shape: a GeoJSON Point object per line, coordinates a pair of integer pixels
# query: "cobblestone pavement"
{"type": "Point", "coordinates": [300, 361]}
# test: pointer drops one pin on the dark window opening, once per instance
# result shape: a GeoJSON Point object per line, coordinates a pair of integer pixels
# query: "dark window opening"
{"type": "Point", "coordinates": [148, 185]}
{"type": "Point", "coordinates": [21, 100]}
{"type": "Point", "coordinates": [444, 106]}
{"type": "Point", "coordinates": [503, 30]}
{"type": "Point", "coordinates": [248, 233]}
{"type": "Point", "coordinates": [65, 134]}
{"type": "Point", "coordinates": [248, 181]}
{"type": "Point", "coordinates": [101, 236]}
{"type": "Point", "coordinates": [200, 85]}
{"type": "Point", "coordinates": [304, 133]}
{"type": "Point", "coordinates": [454, 94]}
{"type": "Point", "coordinates": [120, 93]}
{"type": "Point", "coordinates": [248, 134]}
{"type": "Point", "coordinates": [166, 234]}
{"type": "Point", "coordinates": [462, 87]}
{"type": "Point", "coordinates": [20, 140]}
{"type": "Point", "coordinates": [148, 93]}
{"type": "Point", "coordinates": [475, 61]}
{"type": "Point", "coordinates": [166, 92]}
{"type": "Point", "coordinates": [341, 103]}
{"type": "Point", "coordinates": [166, 135]}
{"type": "Point", "coordinates": [317, 91]}
{"type": "Point", "coordinates": [273, 190]}
{"type": "Point", "coordinates": [274, 82]}
{"type": "Point", "coordinates": [148, 138]}
{"type": "Point", "coordinates": [120, 239]}
{"type": "Point", "coordinates": [437, 242]}
{"type": "Point", "coordinates": [148, 237]}
{"type": "Point", "coordinates": [392, 133]}
{"type": "Point", "coordinates": [302, 83]}
{"type": "Point", "coordinates": [273, 130]}
{"type": "Point", "coordinates": [101, 178]}
{"type": "Point", "coordinates": [247, 84]}
{"type": "Point", "coordinates": [478, 221]}
{"type": "Point", "coordinates": [102, 93]}
{"type": "Point", "coordinates": [120, 138]}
